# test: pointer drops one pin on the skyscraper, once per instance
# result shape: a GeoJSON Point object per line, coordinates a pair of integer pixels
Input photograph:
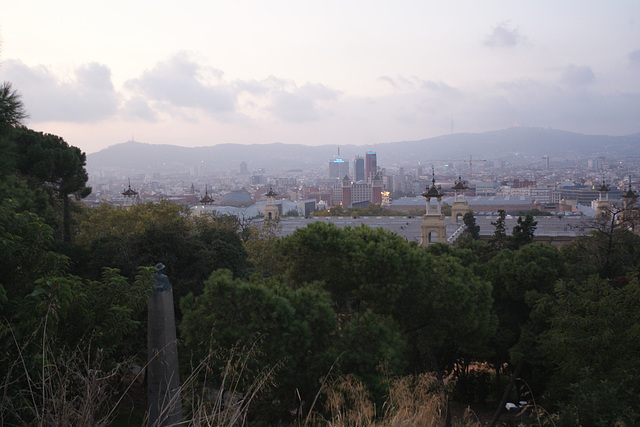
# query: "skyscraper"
{"type": "Point", "coordinates": [546, 162]}
{"type": "Point", "coordinates": [358, 169]}
{"type": "Point", "coordinates": [370, 166]}
{"type": "Point", "coordinates": [338, 168]}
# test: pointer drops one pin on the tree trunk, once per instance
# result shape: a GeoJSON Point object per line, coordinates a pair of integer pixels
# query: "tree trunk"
{"type": "Point", "coordinates": [436, 368]}
{"type": "Point", "coordinates": [505, 396]}
{"type": "Point", "coordinates": [66, 219]}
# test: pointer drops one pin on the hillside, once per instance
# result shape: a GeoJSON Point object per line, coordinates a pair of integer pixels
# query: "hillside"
{"type": "Point", "coordinates": [501, 144]}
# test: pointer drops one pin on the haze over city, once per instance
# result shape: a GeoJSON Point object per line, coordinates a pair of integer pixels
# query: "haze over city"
{"type": "Point", "coordinates": [330, 72]}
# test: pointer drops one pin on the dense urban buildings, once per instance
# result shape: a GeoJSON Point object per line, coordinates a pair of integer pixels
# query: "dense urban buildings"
{"type": "Point", "coordinates": [564, 188]}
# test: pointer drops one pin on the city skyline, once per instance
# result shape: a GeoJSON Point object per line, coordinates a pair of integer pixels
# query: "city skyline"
{"type": "Point", "coordinates": [331, 73]}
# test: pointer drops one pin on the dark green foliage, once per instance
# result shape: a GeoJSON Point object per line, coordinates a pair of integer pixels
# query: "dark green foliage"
{"type": "Point", "coordinates": [473, 387]}
{"type": "Point", "coordinates": [45, 311]}
{"type": "Point", "coordinates": [25, 243]}
{"type": "Point", "coordinates": [607, 251]}
{"type": "Point", "coordinates": [372, 348]}
{"type": "Point", "coordinates": [523, 231]}
{"type": "Point", "coordinates": [473, 229]}
{"type": "Point", "coordinates": [500, 239]}
{"type": "Point", "coordinates": [521, 279]}
{"type": "Point", "coordinates": [433, 298]}
{"type": "Point", "coordinates": [48, 163]}
{"type": "Point", "coordinates": [148, 234]}
{"type": "Point", "coordinates": [534, 212]}
{"type": "Point", "coordinates": [12, 111]}
{"type": "Point", "coordinates": [594, 342]}
{"type": "Point", "coordinates": [371, 210]}
{"type": "Point", "coordinates": [294, 328]}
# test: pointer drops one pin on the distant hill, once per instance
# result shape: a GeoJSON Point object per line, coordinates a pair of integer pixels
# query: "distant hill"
{"type": "Point", "coordinates": [130, 157]}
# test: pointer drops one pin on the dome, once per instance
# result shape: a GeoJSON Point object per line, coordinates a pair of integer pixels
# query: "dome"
{"type": "Point", "coordinates": [237, 199]}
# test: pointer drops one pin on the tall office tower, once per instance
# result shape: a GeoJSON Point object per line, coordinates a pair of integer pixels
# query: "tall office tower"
{"type": "Point", "coordinates": [346, 192]}
{"type": "Point", "coordinates": [358, 169]}
{"type": "Point", "coordinates": [244, 170]}
{"type": "Point", "coordinates": [546, 163]}
{"type": "Point", "coordinates": [370, 166]}
{"type": "Point", "coordinates": [338, 168]}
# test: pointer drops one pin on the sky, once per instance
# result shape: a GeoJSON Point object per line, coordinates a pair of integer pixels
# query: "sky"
{"type": "Point", "coordinates": [196, 73]}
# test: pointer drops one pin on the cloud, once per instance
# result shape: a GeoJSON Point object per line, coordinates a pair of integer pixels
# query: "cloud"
{"type": "Point", "coordinates": [88, 96]}
{"type": "Point", "coordinates": [138, 108]}
{"type": "Point", "coordinates": [577, 76]}
{"type": "Point", "coordinates": [301, 104]}
{"type": "Point", "coordinates": [183, 88]}
{"type": "Point", "coordinates": [634, 59]}
{"type": "Point", "coordinates": [430, 107]}
{"type": "Point", "coordinates": [183, 83]}
{"type": "Point", "coordinates": [387, 79]}
{"type": "Point", "coordinates": [503, 36]}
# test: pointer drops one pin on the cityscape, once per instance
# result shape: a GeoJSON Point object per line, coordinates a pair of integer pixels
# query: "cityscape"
{"type": "Point", "coordinates": [332, 214]}
{"type": "Point", "coordinates": [563, 187]}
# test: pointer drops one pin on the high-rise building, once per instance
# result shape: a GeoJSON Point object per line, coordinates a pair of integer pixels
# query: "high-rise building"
{"type": "Point", "coordinates": [546, 163]}
{"type": "Point", "coordinates": [244, 170]}
{"type": "Point", "coordinates": [346, 192]}
{"type": "Point", "coordinates": [338, 168]}
{"type": "Point", "coordinates": [358, 169]}
{"type": "Point", "coordinates": [370, 166]}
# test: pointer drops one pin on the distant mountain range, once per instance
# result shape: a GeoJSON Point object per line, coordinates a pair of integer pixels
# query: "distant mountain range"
{"type": "Point", "coordinates": [515, 142]}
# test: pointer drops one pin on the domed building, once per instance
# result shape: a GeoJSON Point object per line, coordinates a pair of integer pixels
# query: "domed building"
{"type": "Point", "coordinates": [238, 199]}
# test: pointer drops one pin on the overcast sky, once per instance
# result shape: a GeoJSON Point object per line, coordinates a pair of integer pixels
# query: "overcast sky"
{"type": "Point", "coordinates": [202, 72]}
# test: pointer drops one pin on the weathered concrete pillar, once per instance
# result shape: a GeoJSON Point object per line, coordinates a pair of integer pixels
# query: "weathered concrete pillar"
{"type": "Point", "coordinates": [163, 379]}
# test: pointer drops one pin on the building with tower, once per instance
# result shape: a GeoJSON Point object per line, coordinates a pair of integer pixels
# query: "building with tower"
{"type": "Point", "coordinates": [376, 189]}
{"type": "Point", "coordinates": [630, 214]}
{"type": "Point", "coordinates": [346, 192]}
{"type": "Point", "coordinates": [130, 196]}
{"type": "Point", "coordinates": [206, 199]}
{"type": "Point", "coordinates": [433, 224]}
{"type": "Point", "coordinates": [460, 206]}
{"type": "Point", "coordinates": [602, 206]}
{"type": "Point", "coordinates": [271, 210]}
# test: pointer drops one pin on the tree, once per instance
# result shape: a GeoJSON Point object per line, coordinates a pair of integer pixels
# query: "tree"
{"type": "Point", "coordinates": [292, 328]}
{"type": "Point", "coordinates": [49, 162]}
{"type": "Point", "coordinates": [593, 342]}
{"type": "Point", "coordinates": [12, 111]}
{"type": "Point", "coordinates": [439, 304]}
{"type": "Point", "coordinates": [500, 239]}
{"type": "Point", "coordinates": [47, 312]}
{"type": "Point", "coordinates": [523, 231]}
{"type": "Point", "coordinates": [609, 250]}
{"type": "Point", "coordinates": [146, 234]}
{"type": "Point", "coordinates": [261, 250]}
{"type": "Point", "coordinates": [521, 278]}
{"type": "Point", "coordinates": [469, 221]}
{"type": "Point", "coordinates": [371, 347]}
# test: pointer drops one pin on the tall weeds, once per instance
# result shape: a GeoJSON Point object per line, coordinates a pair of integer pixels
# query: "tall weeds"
{"type": "Point", "coordinates": [70, 388]}
{"type": "Point", "coordinates": [218, 398]}
{"type": "Point", "coordinates": [411, 401]}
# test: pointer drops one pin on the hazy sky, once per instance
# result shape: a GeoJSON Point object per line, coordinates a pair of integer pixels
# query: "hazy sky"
{"type": "Point", "coordinates": [201, 72]}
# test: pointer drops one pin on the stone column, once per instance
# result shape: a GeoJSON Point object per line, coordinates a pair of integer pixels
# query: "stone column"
{"type": "Point", "coordinates": [164, 402]}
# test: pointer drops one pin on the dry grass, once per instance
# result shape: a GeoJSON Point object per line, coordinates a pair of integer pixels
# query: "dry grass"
{"type": "Point", "coordinates": [412, 401]}
{"type": "Point", "coordinates": [71, 389]}
{"type": "Point", "coordinates": [227, 404]}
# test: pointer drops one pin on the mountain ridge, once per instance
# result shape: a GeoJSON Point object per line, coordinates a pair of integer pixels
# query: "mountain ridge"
{"type": "Point", "coordinates": [496, 144]}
